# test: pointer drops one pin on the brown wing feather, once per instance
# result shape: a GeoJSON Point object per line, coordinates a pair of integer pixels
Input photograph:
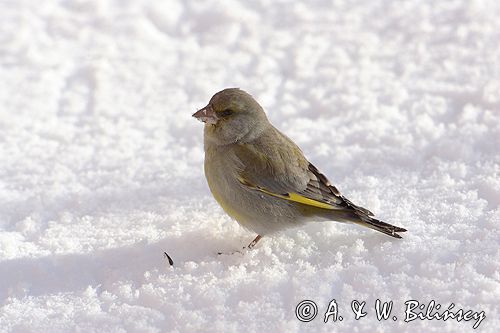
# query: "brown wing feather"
{"type": "Point", "coordinates": [320, 185]}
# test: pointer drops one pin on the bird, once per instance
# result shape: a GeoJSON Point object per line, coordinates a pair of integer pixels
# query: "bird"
{"type": "Point", "coordinates": [262, 179]}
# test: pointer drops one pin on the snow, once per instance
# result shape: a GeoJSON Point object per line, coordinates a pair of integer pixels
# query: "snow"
{"type": "Point", "coordinates": [397, 102]}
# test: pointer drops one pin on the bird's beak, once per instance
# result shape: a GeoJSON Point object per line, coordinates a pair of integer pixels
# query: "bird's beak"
{"type": "Point", "coordinates": [206, 115]}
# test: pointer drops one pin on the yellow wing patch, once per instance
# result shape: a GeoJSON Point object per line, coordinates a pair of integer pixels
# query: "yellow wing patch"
{"type": "Point", "coordinates": [289, 196]}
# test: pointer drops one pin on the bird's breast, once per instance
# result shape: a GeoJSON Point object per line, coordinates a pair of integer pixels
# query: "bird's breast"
{"type": "Point", "coordinates": [252, 209]}
{"type": "Point", "coordinates": [221, 173]}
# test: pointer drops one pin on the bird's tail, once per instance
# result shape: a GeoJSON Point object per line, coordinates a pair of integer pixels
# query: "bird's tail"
{"type": "Point", "coordinates": [360, 217]}
{"type": "Point", "coordinates": [378, 225]}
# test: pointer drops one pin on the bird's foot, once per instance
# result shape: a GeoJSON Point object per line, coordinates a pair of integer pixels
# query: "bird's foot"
{"type": "Point", "coordinates": [231, 253]}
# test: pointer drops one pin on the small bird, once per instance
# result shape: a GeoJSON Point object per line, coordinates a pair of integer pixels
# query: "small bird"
{"type": "Point", "coordinates": [261, 178]}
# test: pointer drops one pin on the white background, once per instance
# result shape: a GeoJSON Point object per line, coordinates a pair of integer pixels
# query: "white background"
{"type": "Point", "coordinates": [101, 164]}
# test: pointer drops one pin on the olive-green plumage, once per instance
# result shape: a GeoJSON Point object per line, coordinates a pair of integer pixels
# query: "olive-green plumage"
{"type": "Point", "coordinates": [261, 178]}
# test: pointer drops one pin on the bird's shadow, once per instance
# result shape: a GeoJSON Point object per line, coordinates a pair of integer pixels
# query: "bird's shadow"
{"type": "Point", "coordinates": [102, 268]}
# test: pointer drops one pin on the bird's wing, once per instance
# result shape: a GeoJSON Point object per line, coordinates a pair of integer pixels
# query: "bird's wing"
{"type": "Point", "coordinates": [281, 170]}
{"type": "Point", "coordinates": [328, 191]}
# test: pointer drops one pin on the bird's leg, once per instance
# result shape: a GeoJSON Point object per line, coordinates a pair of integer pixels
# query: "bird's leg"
{"type": "Point", "coordinates": [255, 241]}
{"type": "Point", "coordinates": [249, 247]}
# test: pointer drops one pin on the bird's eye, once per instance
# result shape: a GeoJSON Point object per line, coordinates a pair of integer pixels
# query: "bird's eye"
{"type": "Point", "coordinates": [226, 112]}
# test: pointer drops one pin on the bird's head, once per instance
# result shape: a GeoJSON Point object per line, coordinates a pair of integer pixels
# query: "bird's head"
{"type": "Point", "coordinates": [231, 116]}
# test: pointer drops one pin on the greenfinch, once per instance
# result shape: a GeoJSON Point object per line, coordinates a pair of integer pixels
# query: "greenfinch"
{"type": "Point", "coordinates": [261, 178]}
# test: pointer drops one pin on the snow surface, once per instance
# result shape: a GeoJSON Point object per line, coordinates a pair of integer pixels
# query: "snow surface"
{"type": "Point", "coordinates": [397, 102]}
